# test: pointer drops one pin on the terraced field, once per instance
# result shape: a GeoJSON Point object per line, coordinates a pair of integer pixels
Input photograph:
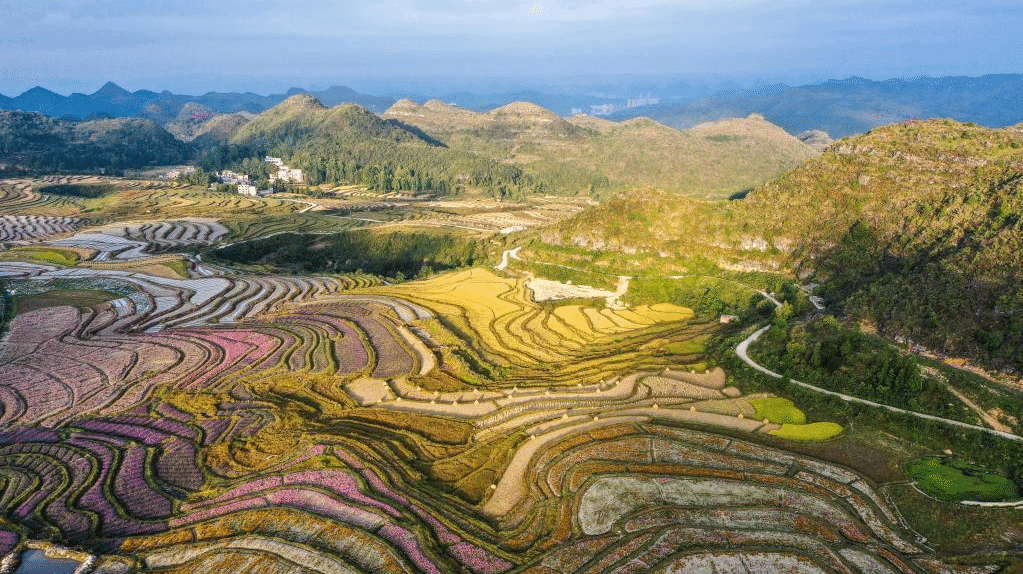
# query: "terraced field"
{"type": "Point", "coordinates": [225, 422]}
{"type": "Point", "coordinates": [24, 228]}
{"type": "Point", "coordinates": [17, 197]}
{"type": "Point", "coordinates": [174, 216]}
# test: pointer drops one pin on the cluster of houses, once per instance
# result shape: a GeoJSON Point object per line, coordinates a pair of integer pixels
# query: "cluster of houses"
{"type": "Point", "coordinates": [284, 173]}
{"type": "Point", "coordinates": [244, 182]}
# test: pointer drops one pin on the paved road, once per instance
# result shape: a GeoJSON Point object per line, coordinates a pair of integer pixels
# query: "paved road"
{"type": "Point", "coordinates": [742, 351]}
{"type": "Point", "coordinates": [509, 253]}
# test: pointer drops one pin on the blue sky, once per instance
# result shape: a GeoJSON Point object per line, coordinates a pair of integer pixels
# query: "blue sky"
{"type": "Point", "coordinates": [194, 46]}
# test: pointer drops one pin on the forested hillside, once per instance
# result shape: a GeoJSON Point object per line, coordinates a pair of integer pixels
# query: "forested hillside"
{"type": "Point", "coordinates": [713, 160]}
{"type": "Point", "coordinates": [913, 227]}
{"type": "Point", "coordinates": [349, 144]}
{"type": "Point", "coordinates": [38, 142]}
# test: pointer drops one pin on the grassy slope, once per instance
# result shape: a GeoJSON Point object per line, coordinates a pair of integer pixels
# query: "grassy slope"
{"type": "Point", "coordinates": [923, 233]}
{"type": "Point", "coordinates": [712, 160]}
{"type": "Point", "coordinates": [219, 129]}
{"type": "Point", "coordinates": [388, 253]}
{"type": "Point", "coordinates": [60, 297]}
{"type": "Point", "coordinates": [915, 227]}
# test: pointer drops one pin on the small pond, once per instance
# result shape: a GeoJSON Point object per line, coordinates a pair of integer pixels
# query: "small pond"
{"type": "Point", "coordinates": [35, 562]}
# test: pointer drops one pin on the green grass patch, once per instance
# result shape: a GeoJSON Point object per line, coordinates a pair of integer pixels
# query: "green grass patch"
{"type": "Point", "coordinates": [811, 432]}
{"type": "Point", "coordinates": [62, 257]}
{"type": "Point", "coordinates": [695, 346]}
{"type": "Point", "coordinates": [955, 480]}
{"type": "Point", "coordinates": [62, 297]}
{"type": "Point", "coordinates": [779, 411]}
{"type": "Point", "coordinates": [179, 266]}
{"type": "Point", "coordinates": [956, 529]}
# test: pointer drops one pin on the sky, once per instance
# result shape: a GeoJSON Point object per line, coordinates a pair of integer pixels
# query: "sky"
{"type": "Point", "coordinates": [267, 46]}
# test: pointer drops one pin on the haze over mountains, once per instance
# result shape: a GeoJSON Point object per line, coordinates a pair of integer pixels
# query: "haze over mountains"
{"type": "Point", "coordinates": [838, 107]}
{"type": "Point", "coordinates": [115, 101]}
{"type": "Point", "coordinates": [855, 105]}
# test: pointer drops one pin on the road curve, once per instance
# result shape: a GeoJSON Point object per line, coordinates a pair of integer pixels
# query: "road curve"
{"type": "Point", "coordinates": [742, 350]}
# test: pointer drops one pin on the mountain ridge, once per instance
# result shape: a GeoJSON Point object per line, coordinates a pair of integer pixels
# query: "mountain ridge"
{"type": "Point", "coordinates": [114, 100]}
{"type": "Point", "coordinates": [591, 153]}
{"type": "Point", "coordinates": [840, 107]}
{"type": "Point", "coordinates": [915, 228]}
{"type": "Point", "coordinates": [855, 105]}
{"type": "Point", "coordinates": [348, 143]}
{"type": "Point", "coordinates": [34, 141]}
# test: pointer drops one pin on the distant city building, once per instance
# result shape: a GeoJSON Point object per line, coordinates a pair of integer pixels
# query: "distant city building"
{"type": "Point", "coordinates": [275, 160]}
{"type": "Point", "coordinates": [608, 109]}
{"type": "Point", "coordinates": [642, 101]}
{"type": "Point", "coordinates": [603, 109]}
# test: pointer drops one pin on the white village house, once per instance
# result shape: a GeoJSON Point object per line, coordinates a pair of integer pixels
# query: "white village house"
{"type": "Point", "coordinates": [247, 189]}
{"type": "Point", "coordinates": [284, 173]}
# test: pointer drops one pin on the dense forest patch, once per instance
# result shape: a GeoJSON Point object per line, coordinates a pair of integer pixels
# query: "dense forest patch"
{"type": "Point", "coordinates": [395, 254]}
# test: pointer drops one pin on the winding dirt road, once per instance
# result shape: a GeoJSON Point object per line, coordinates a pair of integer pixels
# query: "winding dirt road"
{"type": "Point", "coordinates": [742, 351]}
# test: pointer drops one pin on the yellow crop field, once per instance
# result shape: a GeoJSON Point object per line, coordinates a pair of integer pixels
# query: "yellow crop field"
{"type": "Point", "coordinates": [478, 291]}
{"type": "Point", "coordinates": [573, 317]}
{"type": "Point", "coordinates": [558, 326]}
{"type": "Point", "coordinates": [635, 318]}
{"type": "Point", "coordinates": [498, 319]}
{"type": "Point", "coordinates": [601, 323]}
{"type": "Point", "coordinates": [664, 312]}
{"type": "Point", "coordinates": [621, 321]}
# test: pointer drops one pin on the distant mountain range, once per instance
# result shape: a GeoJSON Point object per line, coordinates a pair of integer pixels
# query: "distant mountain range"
{"type": "Point", "coordinates": [839, 107]}
{"type": "Point", "coordinates": [114, 101]}
{"type": "Point", "coordinates": [855, 105]}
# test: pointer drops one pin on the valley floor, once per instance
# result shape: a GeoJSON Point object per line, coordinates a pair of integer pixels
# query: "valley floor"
{"type": "Point", "coordinates": [165, 414]}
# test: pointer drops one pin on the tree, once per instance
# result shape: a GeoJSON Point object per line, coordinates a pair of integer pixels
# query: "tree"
{"type": "Point", "coordinates": [782, 315]}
